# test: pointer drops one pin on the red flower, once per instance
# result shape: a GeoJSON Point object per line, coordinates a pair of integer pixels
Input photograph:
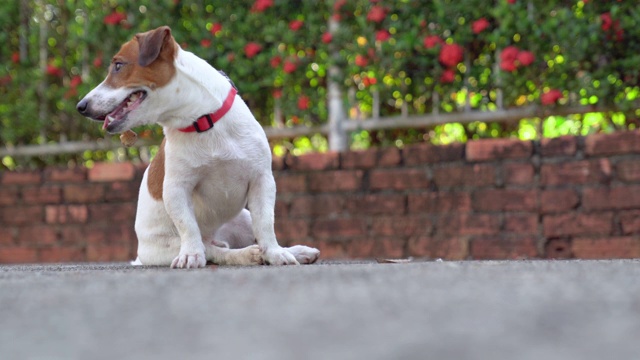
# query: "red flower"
{"type": "Point", "coordinates": [261, 5]}
{"type": "Point", "coordinates": [508, 65]}
{"type": "Point", "coordinates": [275, 61]}
{"type": "Point", "coordinates": [54, 70]}
{"type": "Point", "coordinates": [231, 57]}
{"type": "Point", "coordinates": [511, 1]}
{"type": "Point", "coordinates": [205, 43]}
{"type": "Point", "coordinates": [215, 28]}
{"type": "Point", "coordinates": [289, 66]}
{"type": "Point", "coordinates": [377, 14]}
{"type": "Point", "coordinates": [327, 37]}
{"type": "Point", "coordinates": [361, 60]}
{"type": "Point", "coordinates": [451, 54]}
{"type": "Point", "coordinates": [338, 4]}
{"type": "Point", "coordinates": [73, 92]}
{"type": "Point", "coordinates": [303, 103]}
{"type": "Point", "coordinates": [97, 62]}
{"type": "Point", "coordinates": [550, 97]}
{"type": "Point", "coordinates": [277, 93]}
{"type": "Point", "coordinates": [382, 35]}
{"type": "Point", "coordinates": [479, 25]}
{"type": "Point", "coordinates": [6, 80]}
{"type": "Point", "coordinates": [448, 76]}
{"type": "Point", "coordinates": [609, 25]}
{"type": "Point", "coordinates": [525, 58]}
{"type": "Point", "coordinates": [432, 41]}
{"type": "Point", "coordinates": [368, 81]}
{"type": "Point", "coordinates": [114, 18]}
{"type": "Point", "coordinates": [510, 53]}
{"type": "Point", "coordinates": [252, 49]}
{"type": "Point", "coordinates": [75, 81]}
{"type": "Point", "coordinates": [606, 21]}
{"type": "Point", "coordinates": [295, 25]}
{"type": "Point", "coordinates": [15, 57]}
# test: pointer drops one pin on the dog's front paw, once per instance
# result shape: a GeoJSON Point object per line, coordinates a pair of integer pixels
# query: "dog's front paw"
{"type": "Point", "coordinates": [278, 256]}
{"type": "Point", "coordinates": [304, 254]}
{"type": "Point", "coordinates": [188, 260]}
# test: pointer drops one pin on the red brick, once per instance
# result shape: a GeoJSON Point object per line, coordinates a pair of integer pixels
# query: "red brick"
{"type": "Point", "coordinates": [504, 247]}
{"type": "Point", "coordinates": [110, 252]}
{"type": "Point", "coordinates": [444, 247]}
{"type": "Point", "coordinates": [83, 193]}
{"type": "Point", "coordinates": [368, 248]}
{"type": "Point", "coordinates": [122, 191]}
{"type": "Point", "coordinates": [577, 224]}
{"type": "Point", "coordinates": [376, 204]}
{"type": "Point", "coordinates": [281, 208]}
{"type": "Point", "coordinates": [494, 149]}
{"type": "Point", "coordinates": [338, 228]}
{"type": "Point", "coordinates": [630, 221]}
{"type": "Point", "coordinates": [288, 183]}
{"type": "Point", "coordinates": [288, 230]}
{"type": "Point", "coordinates": [578, 172]}
{"type": "Point", "coordinates": [277, 163]}
{"type": "Point", "coordinates": [558, 200]}
{"type": "Point", "coordinates": [558, 248]}
{"type": "Point", "coordinates": [628, 170]}
{"type": "Point", "coordinates": [439, 202]}
{"type": "Point", "coordinates": [401, 226]}
{"type": "Point", "coordinates": [429, 154]}
{"type": "Point", "coordinates": [331, 250]}
{"type": "Point", "coordinates": [318, 205]}
{"type": "Point", "coordinates": [518, 174]}
{"type": "Point", "coordinates": [8, 196]}
{"type": "Point", "coordinates": [122, 233]}
{"type": "Point", "coordinates": [78, 174]}
{"type": "Point", "coordinates": [42, 195]}
{"type": "Point", "coordinates": [374, 157]}
{"type": "Point", "coordinates": [465, 175]}
{"type": "Point", "coordinates": [22, 215]}
{"type": "Point", "coordinates": [560, 146]}
{"type": "Point", "coordinates": [60, 254]}
{"type": "Point", "coordinates": [71, 234]}
{"type": "Point", "coordinates": [7, 236]}
{"type": "Point", "coordinates": [521, 223]}
{"type": "Point", "coordinates": [398, 179]}
{"type": "Point", "coordinates": [622, 247]}
{"type": "Point", "coordinates": [112, 212]}
{"type": "Point", "coordinates": [95, 235]}
{"type": "Point", "coordinates": [38, 235]}
{"type": "Point", "coordinates": [621, 197]}
{"type": "Point", "coordinates": [62, 214]}
{"type": "Point", "coordinates": [18, 254]}
{"type": "Point", "coordinates": [112, 172]}
{"type": "Point", "coordinates": [505, 200]}
{"type": "Point", "coordinates": [313, 161]}
{"type": "Point", "coordinates": [621, 142]}
{"type": "Point", "coordinates": [468, 224]}
{"type": "Point", "coordinates": [22, 177]}
{"type": "Point", "coordinates": [343, 180]}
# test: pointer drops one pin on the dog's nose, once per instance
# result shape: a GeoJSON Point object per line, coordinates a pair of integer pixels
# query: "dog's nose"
{"type": "Point", "coordinates": [82, 106]}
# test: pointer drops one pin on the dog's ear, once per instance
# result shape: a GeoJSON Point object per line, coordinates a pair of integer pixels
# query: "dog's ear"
{"type": "Point", "coordinates": [151, 43]}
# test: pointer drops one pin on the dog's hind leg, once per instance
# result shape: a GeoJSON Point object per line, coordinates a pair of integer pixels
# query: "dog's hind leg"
{"type": "Point", "coordinates": [250, 255]}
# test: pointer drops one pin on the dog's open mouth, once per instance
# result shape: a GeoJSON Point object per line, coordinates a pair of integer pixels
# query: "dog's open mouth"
{"type": "Point", "coordinates": [129, 104]}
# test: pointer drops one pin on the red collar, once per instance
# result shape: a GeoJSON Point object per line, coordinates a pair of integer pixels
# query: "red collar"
{"type": "Point", "coordinates": [205, 122]}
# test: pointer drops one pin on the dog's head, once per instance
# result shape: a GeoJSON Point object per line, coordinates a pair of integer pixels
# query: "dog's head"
{"type": "Point", "coordinates": [126, 98]}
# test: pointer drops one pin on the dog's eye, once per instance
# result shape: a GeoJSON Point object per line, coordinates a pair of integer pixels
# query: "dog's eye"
{"type": "Point", "coordinates": [117, 66]}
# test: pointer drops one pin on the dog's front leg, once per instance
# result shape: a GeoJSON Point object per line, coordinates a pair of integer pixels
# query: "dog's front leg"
{"type": "Point", "coordinates": [261, 202]}
{"type": "Point", "coordinates": [179, 205]}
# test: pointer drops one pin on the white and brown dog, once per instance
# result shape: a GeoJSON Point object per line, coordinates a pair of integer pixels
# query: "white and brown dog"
{"type": "Point", "coordinates": [191, 207]}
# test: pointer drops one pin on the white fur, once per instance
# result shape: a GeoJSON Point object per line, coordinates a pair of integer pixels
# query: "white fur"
{"type": "Point", "coordinates": [210, 177]}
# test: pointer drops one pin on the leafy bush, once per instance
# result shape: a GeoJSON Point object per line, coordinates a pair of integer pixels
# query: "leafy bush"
{"type": "Point", "coordinates": [417, 56]}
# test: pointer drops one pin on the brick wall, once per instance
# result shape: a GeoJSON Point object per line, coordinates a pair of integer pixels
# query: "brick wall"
{"type": "Point", "coordinates": [487, 199]}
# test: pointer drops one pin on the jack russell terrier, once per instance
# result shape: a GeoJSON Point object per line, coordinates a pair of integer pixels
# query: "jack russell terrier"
{"type": "Point", "coordinates": [191, 207]}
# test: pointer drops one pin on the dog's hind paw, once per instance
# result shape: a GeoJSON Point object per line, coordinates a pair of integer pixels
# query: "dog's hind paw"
{"type": "Point", "coordinates": [278, 256]}
{"type": "Point", "coordinates": [189, 261]}
{"type": "Point", "coordinates": [250, 255]}
{"type": "Point", "coordinates": [304, 254]}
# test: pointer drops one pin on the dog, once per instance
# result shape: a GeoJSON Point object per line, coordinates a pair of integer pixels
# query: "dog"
{"type": "Point", "coordinates": [209, 193]}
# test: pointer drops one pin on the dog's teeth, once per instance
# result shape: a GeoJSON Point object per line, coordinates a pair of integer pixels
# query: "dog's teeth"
{"type": "Point", "coordinates": [109, 118]}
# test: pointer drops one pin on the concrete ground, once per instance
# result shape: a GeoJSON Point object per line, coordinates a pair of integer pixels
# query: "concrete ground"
{"type": "Point", "coordinates": [422, 310]}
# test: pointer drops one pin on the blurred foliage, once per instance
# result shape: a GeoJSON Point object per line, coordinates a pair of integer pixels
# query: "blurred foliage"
{"type": "Point", "coordinates": [278, 53]}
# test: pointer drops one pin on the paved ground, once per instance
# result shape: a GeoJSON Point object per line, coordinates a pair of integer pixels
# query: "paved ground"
{"type": "Point", "coordinates": [429, 310]}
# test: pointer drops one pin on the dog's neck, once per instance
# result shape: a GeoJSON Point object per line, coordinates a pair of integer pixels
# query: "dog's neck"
{"type": "Point", "coordinates": [198, 89]}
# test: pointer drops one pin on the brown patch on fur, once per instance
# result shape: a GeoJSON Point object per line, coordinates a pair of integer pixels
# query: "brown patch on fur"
{"type": "Point", "coordinates": [155, 178]}
{"type": "Point", "coordinates": [157, 49]}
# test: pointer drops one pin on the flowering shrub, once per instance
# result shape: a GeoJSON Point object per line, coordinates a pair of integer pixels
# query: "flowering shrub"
{"type": "Point", "coordinates": [278, 52]}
